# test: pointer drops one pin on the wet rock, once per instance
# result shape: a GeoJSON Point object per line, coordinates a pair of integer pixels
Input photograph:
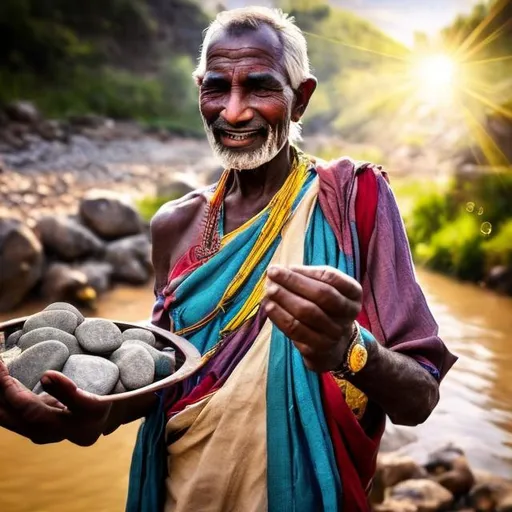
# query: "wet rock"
{"type": "Point", "coordinates": [109, 215]}
{"type": "Point", "coordinates": [136, 366]}
{"type": "Point", "coordinates": [31, 364]}
{"type": "Point", "coordinates": [58, 319]}
{"type": "Point", "coordinates": [49, 333]}
{"type": "Point", "coordinates": [12, 339]}
{"type": "Point", "coordinates": [129, 258]}
{"type": "Point", "coordinates": [64, 306]}
{"type": "Point", "coordinates": [92, 373]}
{"type": "Point", "coordinates": [98, 274]}
{"type": "Point", "coordinates": [393, 468]}
{"type": "Point", "coordinates": [140, 334]}
{"type": "Point", "coordinates": [23, 112]}
{"type": "Point", "coordinates": [21, 261]}
{"type": "Point", "coordinates": [427, 495]}
{"type": "Point", "coordinates": [165, 362]}
{"type": "Point", "coordinates": [67, 238]}
{"type": "Point", "coordinates": [62, 282]}
{"type": "Point", "coordinates": [449, 467]}
{"type": "Point", "coordinates": [99, 336]}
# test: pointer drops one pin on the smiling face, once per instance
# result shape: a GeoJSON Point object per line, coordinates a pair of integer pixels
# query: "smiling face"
{"type": "Point", "coordinates": [246, 100]}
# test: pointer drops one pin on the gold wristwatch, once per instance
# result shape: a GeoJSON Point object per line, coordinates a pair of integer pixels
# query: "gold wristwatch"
{"type": "Point", "coordinates": [356, 358]}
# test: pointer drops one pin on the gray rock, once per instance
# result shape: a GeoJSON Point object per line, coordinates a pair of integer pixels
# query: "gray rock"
{"type": "Point", "coordinates": [23, 112]}
{"type": "Point", "coordinates": [136, 366]}
{"type": "Point", "coordinates": [38, 389]}
{"type": "Point", "coordinates": [30, 366]}
{"type": "Point", "coordinates": [98, 274]}
{"type": "Point", "coordinates": [140, 334]}
{"type": "Point", "coordinates": [68, 239]}
{"type": "Point", "coordinates": [165, 362]}
{"type": "Point", "coordinates": [109, 215]}
{"type": "Point", "coordinates": [36, 336]}
{"type": "Point", "coordinates": [58, 319]}
{"type": "Point", "coordinates": [99, 336]}
{"type": "Point", "coordinates": [129, 258]}
{"type": "Point", "coordinates": [21, 261]}
{"type": "Point", "coordinates": [92, 373]}
{"type": "Point", "coordinates": [12, 339]}
{"type": "Point", "coordinates": [119, 388]}
{"type": "Point", "coordinates": [64, 306]}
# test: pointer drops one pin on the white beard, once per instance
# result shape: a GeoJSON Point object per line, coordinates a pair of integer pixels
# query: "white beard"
{"type": "Point", "coordinates": [250, 159]}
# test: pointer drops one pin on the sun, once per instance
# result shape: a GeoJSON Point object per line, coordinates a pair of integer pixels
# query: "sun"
{"type": "Point", "coordinates": [435, 77]}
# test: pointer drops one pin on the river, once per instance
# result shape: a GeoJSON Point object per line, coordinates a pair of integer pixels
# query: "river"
{"type": "Point", "coordinates": [475, 410]}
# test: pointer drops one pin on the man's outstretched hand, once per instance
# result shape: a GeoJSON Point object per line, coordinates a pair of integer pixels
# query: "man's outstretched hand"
{"type": "Point", "coordinates": [315, 306]}
{"type": "Point", "coordinates": [63, 412]}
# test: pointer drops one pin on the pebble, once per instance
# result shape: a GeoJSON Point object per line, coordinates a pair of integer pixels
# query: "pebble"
{"type": "Point", "coordinates": [67, 307]}
{"type": "Point", "coordinates": [59, 319]}
{"type": "Point", "coordinates": [30, 366]}
{"type": "Point", "coordinates": [92, 373]}
{"type": "Point", "coordinates": [50, 333]}
{"type": "Point", "coordinates": [119, 388]}
{"type": "Point", "coordinates": [140, 334]}
{"type": "Point", "coordinates": [12, 339]}
{"type": "Point", "coordinates": [165, 362]}
{"type": "Point", "coordinates": [136, 366]}
{"type": "Point", "coordinates": [99, 336]}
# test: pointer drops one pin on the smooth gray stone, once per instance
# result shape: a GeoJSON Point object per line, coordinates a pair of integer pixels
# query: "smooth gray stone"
{"type": "Point", "coordinates": [66, 307]}
{"type": "Point", "coordinates": [140, 334]}
{"type": "Point", "coordinates": [119, 388]}
{"type": "Point", "coordinates": [12, 339]}
{"type": "Point", "coordinates": [93, 374]}
{"type": "Point", "coordinates": [136, 366]}
{"type": "Point", "coordinates": [58, 318]}
{"type": "Point", "coordinates": [165, 362]}
{"type": "Point", "coordinates": [99, 336]}
{"type": "Point", "coordinates": [50, 333]}
{"type": "Point", "coordinates": [30, 366]}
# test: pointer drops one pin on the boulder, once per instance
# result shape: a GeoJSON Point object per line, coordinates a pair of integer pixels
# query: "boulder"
{"type": "Point", "coordinates": [449, 467]}
{"type": "Point", "coordinates": [66, 238]}
{"type": "Point", "coordinates": [109, 215]}
{"type": "Point", "coordinates": [31, 364]}
{"type": "Point", "coordinates": [98, 274]}
{"type": "Point", "coordinates": [426, 495]}
{"type": "Point", "coordinates": [92, 373]}
{"type": "Point", "coordinates": [129, 258]}
{"type": "Point", "coordinates": [61, 282]}
{"type": "Point", "coordinates": [21, 261]}
{"type": "Point", "coordinates": [23, 112]}
{"type": "Point", "coordinates": [99, 336]}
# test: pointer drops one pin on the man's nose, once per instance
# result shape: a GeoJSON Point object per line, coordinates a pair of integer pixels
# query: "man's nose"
{"type": "Point", "coordinates": [236, 110]}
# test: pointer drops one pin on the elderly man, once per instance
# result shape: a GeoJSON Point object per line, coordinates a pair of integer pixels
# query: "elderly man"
{"type": "Point", "coordinates": [294, 280]}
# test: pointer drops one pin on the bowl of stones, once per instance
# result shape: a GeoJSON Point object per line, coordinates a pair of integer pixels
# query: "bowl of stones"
{"type": "Point", "coordinates": [112, 360]}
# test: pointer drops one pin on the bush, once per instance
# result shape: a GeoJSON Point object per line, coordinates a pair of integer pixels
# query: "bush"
{"type": "Point", "coordinates": [498, 249]}
{"type": "Point", "coordinates": [148, 206]}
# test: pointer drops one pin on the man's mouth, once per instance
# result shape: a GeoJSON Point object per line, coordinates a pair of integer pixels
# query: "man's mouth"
{"type": "Point", "coordinates": [238, 139]}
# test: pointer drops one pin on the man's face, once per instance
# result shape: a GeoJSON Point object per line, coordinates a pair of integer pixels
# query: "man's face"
{"type": "Point", "coordinates": [245, 98]}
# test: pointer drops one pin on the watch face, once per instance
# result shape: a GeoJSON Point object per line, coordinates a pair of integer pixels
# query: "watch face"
{"type": "Point", "coordinates": [358, 357]}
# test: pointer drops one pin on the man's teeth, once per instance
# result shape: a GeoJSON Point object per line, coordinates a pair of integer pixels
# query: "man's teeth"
{"type": "Point", "coordinates": [240, 136]}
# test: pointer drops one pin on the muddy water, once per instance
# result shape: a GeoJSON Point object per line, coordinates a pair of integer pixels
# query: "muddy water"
{"type": "Point", "coordinates": [475, 410]}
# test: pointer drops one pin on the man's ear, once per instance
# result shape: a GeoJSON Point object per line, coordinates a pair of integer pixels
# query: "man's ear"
{"type": "Point", "coordinates": [302, 96]}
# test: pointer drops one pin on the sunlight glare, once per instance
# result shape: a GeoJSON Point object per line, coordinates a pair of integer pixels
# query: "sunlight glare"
{"type": "Point", "coordinates": [435, 77]}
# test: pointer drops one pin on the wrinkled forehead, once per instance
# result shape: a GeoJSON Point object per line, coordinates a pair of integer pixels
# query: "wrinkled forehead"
{"type": "Point", "coordinates": [246, 46]}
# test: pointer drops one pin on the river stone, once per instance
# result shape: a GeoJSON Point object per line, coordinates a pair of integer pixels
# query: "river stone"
{"type": "Point", "coordinates": [136, 366]}
{"type": "Point", "coordinates": [59, 319]}
{"type": "Point", "coordinates": [30, 366]}
{"type": "Point", "coordinates": [165, 362]}
{"type": "Point", "coordinates": [12, 339]}
{"type": "Point", "coordinates": [50, 333]}
{"type": "Point", "coordinates": [140, 334]}
{"type": "Point", "coordinates": [427, 495]}
{"type": "Point", "coordinates": [64, 306]}
{"type": "Point", "coordinates": [92, 373]}
{"type": "Point", "coordinates": [119, 388]}
{"type": "Point", "coordinates": [99, 336]}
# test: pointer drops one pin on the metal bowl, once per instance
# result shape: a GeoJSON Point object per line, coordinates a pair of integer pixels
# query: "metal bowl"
{"type": "Point", "coordinates": [188, 359]}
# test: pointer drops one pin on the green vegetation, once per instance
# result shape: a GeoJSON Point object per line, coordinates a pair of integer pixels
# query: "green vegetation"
{"type": "Point", "coordinates": [147, 206]}
{"type": "Point", "coordinates": [120, 58]}
{"type": "Point", "coordinates": [449, 226]}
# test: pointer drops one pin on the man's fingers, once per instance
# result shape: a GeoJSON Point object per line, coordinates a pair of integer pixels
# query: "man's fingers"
{"type": "Point", "coordinates": [305, 311]}
{"type": "Point", "coordinates": [66, 392]}
{"type": "Point", "coordinates": [345, 284]}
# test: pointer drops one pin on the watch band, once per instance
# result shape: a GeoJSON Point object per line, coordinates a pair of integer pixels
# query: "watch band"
{"type": "Point", "coordinates": [356, 356]}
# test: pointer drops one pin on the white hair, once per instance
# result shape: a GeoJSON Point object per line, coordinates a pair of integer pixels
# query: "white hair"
{"type": "Point", "coordinates": [295, 52]}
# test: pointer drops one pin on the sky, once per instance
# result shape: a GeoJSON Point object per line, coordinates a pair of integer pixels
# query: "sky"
{"type": "Point", "coordinates": [398, 18]}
